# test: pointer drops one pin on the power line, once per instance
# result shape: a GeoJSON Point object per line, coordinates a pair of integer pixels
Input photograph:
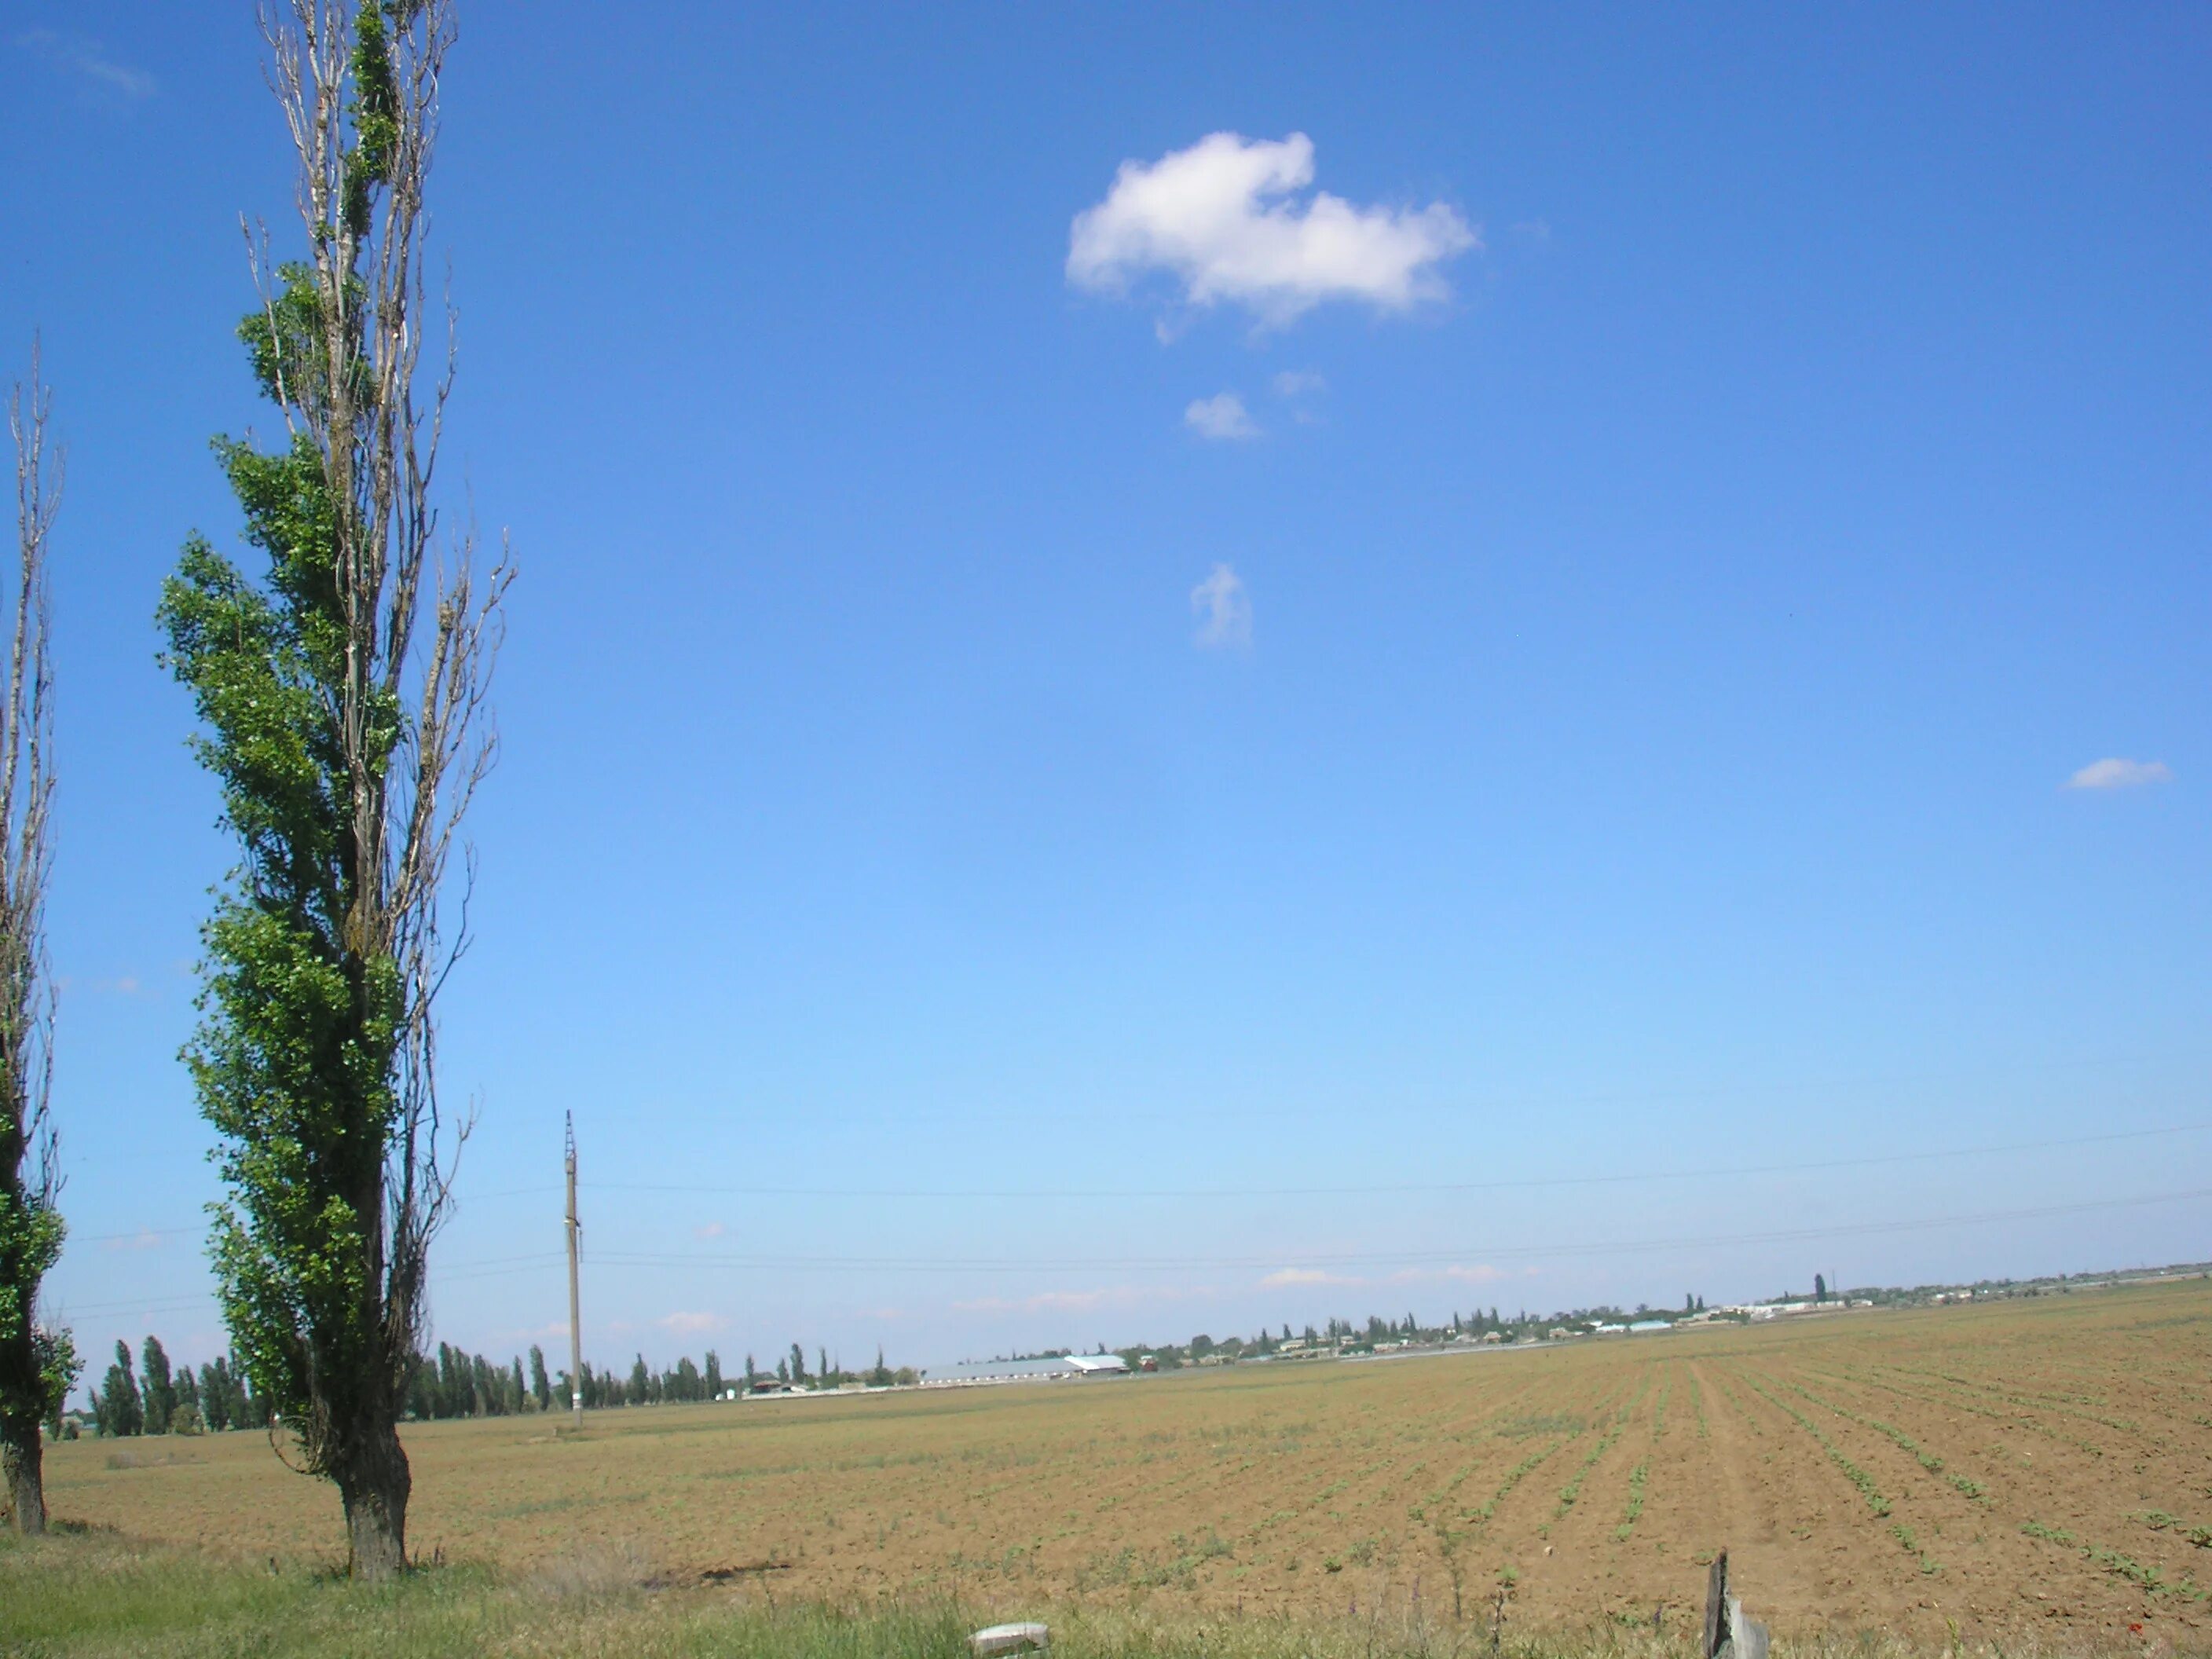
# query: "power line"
{"type": "Point", "coordinates": [496, 1267]}
{"type": "Point", "coordinates": [1534, 1183]}
{"type": "Point", "coordinates": [1527, 1183]}
{"type": "Point", "coordinates": [1289, 1262]}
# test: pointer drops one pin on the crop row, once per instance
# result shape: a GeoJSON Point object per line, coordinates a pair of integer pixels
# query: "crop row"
{"type": "Point", "coordinates": [2159, 1520]}
{"type": "Point", "coordinates": [1573, 1489]}
{"type": "Point", "coordinates": [1927, 1459]}
{"type": "Point", "coordinates": [1951, 1402]}
{"type": "Point", "coordinates": [1513, 1477]}
{"type": "Point", "coordinates": [1859, 1477]}
{"type": "Point", "coordinates": [1636, 1478]}
{"type": "Point", "coordinates": [2029, 1401]}
{"type": "Point", "coordinates": [2122, 1567]}
{"type": "Point", "coordinates": [1903, 1534]}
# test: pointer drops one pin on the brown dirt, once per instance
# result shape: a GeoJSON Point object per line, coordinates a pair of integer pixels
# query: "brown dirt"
{"type": "Point", "coordinates": [1323, 1488]}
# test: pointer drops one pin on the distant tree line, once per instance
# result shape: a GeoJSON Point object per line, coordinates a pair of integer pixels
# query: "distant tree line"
{"type": "Point", "coordinates": [149, 1395]}
{"type": "Point", "coordinates": [1346, 1336]}
{"type": "Point", "coordinates": [156, 1397]}
{"type": "Point", "coordinates": [685, 1381]}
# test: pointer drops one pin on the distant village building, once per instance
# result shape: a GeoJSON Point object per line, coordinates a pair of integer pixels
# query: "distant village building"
{"type": "Point", "coordinates": [1050, 1369]}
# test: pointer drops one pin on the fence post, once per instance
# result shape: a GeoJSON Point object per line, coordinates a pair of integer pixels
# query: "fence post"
{"type": "Point", "coordinates": [1727, 1630]}
{"type": "Point", "coordinates": [1715, 1607]}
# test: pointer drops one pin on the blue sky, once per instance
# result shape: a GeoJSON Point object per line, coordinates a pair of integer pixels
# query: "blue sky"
{"type": "Point", "coordinates": [1567, 661]}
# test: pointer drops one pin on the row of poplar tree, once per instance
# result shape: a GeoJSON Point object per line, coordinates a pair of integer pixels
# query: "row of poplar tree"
{"type": "Point", "coordinates": [160, 1399]}
{"type": "Point", "coordinates": [150, 1395]}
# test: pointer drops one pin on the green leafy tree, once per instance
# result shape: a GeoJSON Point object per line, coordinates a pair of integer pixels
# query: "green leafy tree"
{"type": "Point", "coordinates": [641, 1381]}
{"type": "Point", "coordinates": [541, 1386]}
{"type": "Point", "coordinates": [188, 1393]}
{"type": "Point", "coordinates": [38, 1363]}
{"type": "Point", "coordinates": [214, 1394]}
{"type": "Point", "coordinates": [798, 1363]}
{"type": "Point", "coordinates": [157, 1389]}
{"type": "Point", "coordinates": [712, 1379]}
{"type": "Point", "coordinates": [118, 1410]}
{"type": "Point", "coordinates": [343, 702]}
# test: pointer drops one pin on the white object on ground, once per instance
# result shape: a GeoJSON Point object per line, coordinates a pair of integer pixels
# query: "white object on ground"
{"type": "Point", "coordinates": [1008, 1638]}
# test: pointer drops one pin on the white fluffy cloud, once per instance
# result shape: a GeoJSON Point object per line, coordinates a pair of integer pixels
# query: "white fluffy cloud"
{"type": "Point", "coordinates": [1283, 1277]}
{"type": "Point", "coordinates": [1224, 609]}
{"type": "Point", "coordinates": [1297, 382]}
{"type": "Point", "coordinates": [690, 1324]}
{"type": "Point", "coordinates": [1222, 416]}
{"type": "Point", "coordinates": [1226, 218]}
{"type": "Point", "coordinates": [2117, 774]}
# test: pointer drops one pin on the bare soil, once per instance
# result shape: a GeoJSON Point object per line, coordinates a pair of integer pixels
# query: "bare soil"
{"type": "Point", "coordinates": [2059, 1456]}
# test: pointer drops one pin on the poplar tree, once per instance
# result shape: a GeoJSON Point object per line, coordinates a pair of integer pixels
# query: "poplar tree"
{"type": "Point", "coordinates": [214, 1394]}
{"type": "Point", "coordinates": [157, 1388]}
{"type": "Point", "coordinates": [37, 1365]}
{"type": "Point", "coordinates": [343, 701]}
{"type": "Point", "coordinates": [117, 1408]}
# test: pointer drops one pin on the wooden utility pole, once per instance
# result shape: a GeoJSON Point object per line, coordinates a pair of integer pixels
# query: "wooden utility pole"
{"type": "Point", "coordinates": [575, 1314]}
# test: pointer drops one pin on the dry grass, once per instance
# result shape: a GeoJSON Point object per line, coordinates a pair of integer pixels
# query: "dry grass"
{"type": "Point", "coordinates": [592, 1573]}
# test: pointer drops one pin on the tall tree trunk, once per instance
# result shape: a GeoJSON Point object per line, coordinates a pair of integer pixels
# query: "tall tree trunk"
{"type": "Point", "coordinates": [22, 1461]}
{"type": "Point", "coordinates": [374, 1483]}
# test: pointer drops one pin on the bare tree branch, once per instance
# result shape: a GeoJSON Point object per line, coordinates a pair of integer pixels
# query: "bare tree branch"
{"type": "Point", "coordinates": [35, 1365]}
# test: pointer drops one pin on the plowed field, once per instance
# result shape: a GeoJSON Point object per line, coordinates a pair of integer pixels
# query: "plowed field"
{"type": "Point", "coordinates": [2037, 1467]}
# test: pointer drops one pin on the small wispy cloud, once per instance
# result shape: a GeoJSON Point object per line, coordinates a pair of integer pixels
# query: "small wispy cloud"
{"type": "Point", "coordinates": [690, 1324]}
{"type": "Point", "coordinates": [1228, 220]}
{"type": "Point", "coordinates": [1222, 416]}
{"type": "Point", "coordinates": [1283, 1277]}
{"type": "Point", "coordinates": [145, 1239]}
{"type": "Point", "coordinates": [82, 56]}
{"type": "Point", "coordinates": [1298, 383]}
{"type": "Point", "coordinates": [119, 985]}
{"type": "Point", "coordinates": [2115, 773]}
{"type": "Point", "coordinates": [1223, 609]}
{"type": "Point", "coordinates": [1479, 1273]}
{"type": "Point", "coordinates": [552, 1331]}
{"type": "Point", "coordinates": [708, 1230]}
{"type": "Point", "coordinates": [1111, 1296]}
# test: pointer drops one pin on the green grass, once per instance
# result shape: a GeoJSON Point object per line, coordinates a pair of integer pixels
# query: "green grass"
{"type": "Point", "coordinates": [97, 1596]}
